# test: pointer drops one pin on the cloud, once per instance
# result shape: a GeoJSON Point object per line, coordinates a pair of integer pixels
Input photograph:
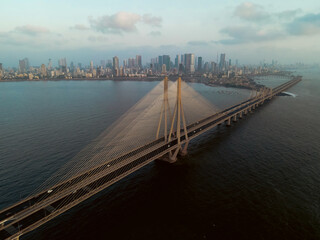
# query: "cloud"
{"type": "Point", "coordinates": [80, 27]}
{"type": "Point", "coordinates": [97, 39]}
{"type": "Point", "coordinates": [289, 14]}
{"type": "Point", "coordinates": [150, 20]}
{"type": "Point", "coordinates": [251, 12]}
{"type": "Point", "coordinates": [155, 33]}
{"type": "Point", "coordinates": [198, 43]}
{"type": "Point", "coordinates": [306, 25]}
{"type": "Point", "coordinates": [116, 23]}
{"type": "Point", "coordinates": [122, 22]}
{"type": "Point", "coordinates": [31, 30]}
{"type": "Point", "coordinates": [245, 34]}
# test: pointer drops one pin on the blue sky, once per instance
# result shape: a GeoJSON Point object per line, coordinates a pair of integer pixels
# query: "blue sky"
{"type": "Point", "coordinates": [287, 31]}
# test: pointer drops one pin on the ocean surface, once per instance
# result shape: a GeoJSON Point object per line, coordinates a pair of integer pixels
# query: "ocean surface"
{"type": "Point", "coordinates": [258, 179]}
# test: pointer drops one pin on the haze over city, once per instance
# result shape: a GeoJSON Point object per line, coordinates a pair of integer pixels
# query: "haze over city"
{"type": "Point", "coordinates": [83, 31]}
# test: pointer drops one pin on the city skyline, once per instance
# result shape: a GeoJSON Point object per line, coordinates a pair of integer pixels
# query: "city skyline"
{"type": "Point", "coordinates": [249, 31]}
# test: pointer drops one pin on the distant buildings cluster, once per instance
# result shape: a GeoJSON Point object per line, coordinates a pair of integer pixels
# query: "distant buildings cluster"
{"type": "Point", "coordinates": [185, 64]}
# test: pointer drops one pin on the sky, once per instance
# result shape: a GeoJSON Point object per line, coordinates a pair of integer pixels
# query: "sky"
{"type": "Point", "coordinates": [81, 31]}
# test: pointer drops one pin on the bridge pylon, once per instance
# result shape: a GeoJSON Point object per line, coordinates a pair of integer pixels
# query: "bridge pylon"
{"type": "Point", "coordinates": [165, 109]}
{"type": "Point", "coordinates": [178, 115]}
{"type": "Point", "coordinates": [178, 126]}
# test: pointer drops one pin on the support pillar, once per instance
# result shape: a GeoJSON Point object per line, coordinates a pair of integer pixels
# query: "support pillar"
{"type": "Point", "coordinates": [235, 118]}
{"type": "Point", "coordinates": [229, 121]}
{"type": "Point", "coordinates": [240, 115]}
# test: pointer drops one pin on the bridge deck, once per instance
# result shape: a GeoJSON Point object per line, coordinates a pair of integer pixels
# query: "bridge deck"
{"type": "Point", "coordinates": [34, 211]}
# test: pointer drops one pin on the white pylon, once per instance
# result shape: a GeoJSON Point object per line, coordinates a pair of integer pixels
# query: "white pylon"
{"type": "Point", "coordinates": [178, 114]}
{"type": "Point", "coordinates": [165, 108]}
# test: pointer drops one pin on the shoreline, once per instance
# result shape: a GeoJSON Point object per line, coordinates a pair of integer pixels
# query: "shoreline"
{"type": "Point", "coordinates": [196, 79]}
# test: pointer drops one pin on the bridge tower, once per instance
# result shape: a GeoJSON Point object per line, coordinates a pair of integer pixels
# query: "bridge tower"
{"type": "Point", "coordinates": [177, 119]}
{"type": "Point", "coordinates": [165, 109]}
{"type": "Point", "coordinates": [178, 115]}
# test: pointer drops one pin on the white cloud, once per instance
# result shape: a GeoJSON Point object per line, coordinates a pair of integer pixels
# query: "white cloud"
{"type": "Point", "coordinates": [244, 34]}
{"type": "Point", "coordinates": [122, 22]}
{"type": "Point", "coordinates": [80, 27]}
{"type": "Point", "coordinates": [251, 12]}
{"type": "Point", "coordinates": [155, 33]}
{"type": "Point", "coordinates": [98, 39]}
{"type": "Point", "coordinates": [116, 23]}
{"type": "Point", "coordinates": [31, 30]}
{"type": "Point", "coordinates": [306, 25]}
{"type": "Point", "coordinates": [151, 20]}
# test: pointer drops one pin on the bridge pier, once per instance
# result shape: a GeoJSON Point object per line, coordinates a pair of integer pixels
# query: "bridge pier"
{"type": "Point", "coordinates": [240, 115]}
{"type": "Point", "coordinates": [169, 157]}
{"type": "Point", "coordinates": [235, 118]}
{"type": "Point", "coordinates": [229, 121]}
{"type": "Point", "coordinates": [184, 151]}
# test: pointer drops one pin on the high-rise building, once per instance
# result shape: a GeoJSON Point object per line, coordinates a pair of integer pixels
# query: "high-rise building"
{"type": "Point", "coordinates": [222, 63]}
{"type": "Point", "coordinates": [182, 59]}
{"type": "Point", "coordinates": [164, 68]}
{"type": "Point", "coordinates": [213, 66]}
{"type": "Point", "coordinates": [50, 64]}
{"type": "Point", "coordinates": [63, 64]}
{"type": "Point", "coordinates": [189, 62]}
{"type": "Point", "coordinates": [199, 64]}
{"type": "Point", "coordinates": [43, 70]}
{"type": "Point", "coordinates": [116, 65]}
{"type": "Point", "coordinates": [22, 66]}
{"type": "Point", "coordinates": [71, 67]}
{"type": "Point", "coordinates": [206, 67]}
{"type": "Point", "coordinates": [229, 62]}
{"type": "Point", "coordinates": [138, 61]}
{"type": "Point", "coordinates": [91, 66]}
{"type": "Point", "coordinates": [166, 61]}
{"type": "Point", "coordinates": [177, 61]}
{"type": "Point", "coordinates": [0, 66]}
{"type": "Point", "coordinates": [103, 63]}
{"type": "Point", "coordinates": [160, 61]}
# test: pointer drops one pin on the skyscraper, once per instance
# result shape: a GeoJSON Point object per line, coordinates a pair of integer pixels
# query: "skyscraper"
{"type": "Point", "coordinates": [160, 62]}
{"type": "Point", "coordinates": [43, 70]}
{"type": "Point", "coordinates": [182, 59]}
{"type": "Point", "coordinates": [199, 64]}
{"type": "Point", "coordinates": [177, 61]}
{"type": "Point", "coordinates": [139, 61]}
{"type": "Point", "coordinates": [115, 65]}
{"type": "Point", "coordinates": [189, 62]}
{"type": "Point", "coordinates": [63, 64]}
{"type": "Point", "coordinates": [49, 64]}
{"type": "Point", "coordinates": [166, 61]}
{"type": "Point", "coordinates": [0, 66]}
{"type": "Point", "coordinates": [91, 66]}
{"type": "Point", "coordinates": [164, 70]}
{"type": "Point", "coordinates": [222, 63]}
{"type": "Point", "coordinates": [22, 66]}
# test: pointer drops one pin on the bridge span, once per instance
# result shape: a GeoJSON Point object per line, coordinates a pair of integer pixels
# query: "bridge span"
{"type": "Point", "coordinates": [38, 209]}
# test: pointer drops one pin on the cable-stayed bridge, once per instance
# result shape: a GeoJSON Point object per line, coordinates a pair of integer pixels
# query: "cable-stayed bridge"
{"type": "Point", "coordinates": [160, 126]}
